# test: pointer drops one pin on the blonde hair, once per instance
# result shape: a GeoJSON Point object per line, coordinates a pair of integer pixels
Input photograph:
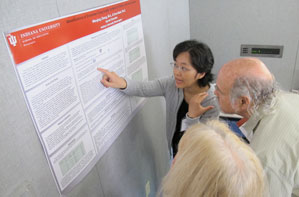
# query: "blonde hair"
{"type": "Point", "coordinates": [212, 161]}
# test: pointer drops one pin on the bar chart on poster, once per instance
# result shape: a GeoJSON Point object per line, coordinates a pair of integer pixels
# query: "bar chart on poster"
{"type": "Point", "coordinates": [75, 116]}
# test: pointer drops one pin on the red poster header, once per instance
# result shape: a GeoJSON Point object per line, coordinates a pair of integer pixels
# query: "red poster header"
{"type": "Point", "coordinates": [30, 42]}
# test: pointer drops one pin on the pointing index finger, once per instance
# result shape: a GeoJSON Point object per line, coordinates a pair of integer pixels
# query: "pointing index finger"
{"type": "Point", "coordinates": [103, 70]}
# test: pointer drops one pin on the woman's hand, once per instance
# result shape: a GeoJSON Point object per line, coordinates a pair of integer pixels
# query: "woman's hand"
{"type": "Point", "coordinates": [195, 107]}
{"type": "Point", "coordinates": [112, 80]}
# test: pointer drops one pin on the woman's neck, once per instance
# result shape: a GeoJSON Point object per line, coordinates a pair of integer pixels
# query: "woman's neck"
{"type": "Point", "coordinates": [193, 90]}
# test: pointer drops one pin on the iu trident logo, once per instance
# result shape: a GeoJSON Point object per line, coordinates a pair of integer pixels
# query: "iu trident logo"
{"type": "Point", "coordinates": [12, 39]}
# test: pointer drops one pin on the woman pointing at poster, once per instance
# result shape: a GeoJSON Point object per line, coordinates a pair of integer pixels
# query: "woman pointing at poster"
{"type": "Point", "coordinates": [189, 93]}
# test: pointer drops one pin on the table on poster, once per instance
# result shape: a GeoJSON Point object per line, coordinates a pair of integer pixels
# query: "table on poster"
{"type": "Point", "coordinates": [75, 116]}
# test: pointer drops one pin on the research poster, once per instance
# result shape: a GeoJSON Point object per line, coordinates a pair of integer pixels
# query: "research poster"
{"type": "Point", "coordinates": [75, 116]}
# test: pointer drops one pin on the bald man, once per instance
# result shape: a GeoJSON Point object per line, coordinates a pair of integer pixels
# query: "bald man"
{"type": "Point", "coordinates": [246, 87]}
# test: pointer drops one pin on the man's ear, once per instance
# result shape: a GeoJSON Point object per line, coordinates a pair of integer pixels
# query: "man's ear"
{"type": "Point", "coordinates": [244, 103]}
{"type": "Point", "coordinates": [200, 75]}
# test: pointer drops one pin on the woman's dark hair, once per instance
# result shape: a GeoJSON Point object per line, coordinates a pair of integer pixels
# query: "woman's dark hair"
{"type": "Point", "coordinates": [201, 57]}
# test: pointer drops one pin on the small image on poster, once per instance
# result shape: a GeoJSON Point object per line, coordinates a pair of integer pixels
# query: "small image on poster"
{"type": "Point", "coordinates": [75, 116]}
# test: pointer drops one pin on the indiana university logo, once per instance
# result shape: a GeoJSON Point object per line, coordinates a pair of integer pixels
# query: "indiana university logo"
{"type": "Point", "coordinates": [13, 40]}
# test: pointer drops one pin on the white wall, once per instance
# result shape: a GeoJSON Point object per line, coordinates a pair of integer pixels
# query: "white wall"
{"type": "Point", "coordinates": [138, 156]}
{"type": "Point", "coordinates": [225, 25]}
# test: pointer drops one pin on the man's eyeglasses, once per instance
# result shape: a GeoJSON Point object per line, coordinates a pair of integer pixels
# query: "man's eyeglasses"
{"type": "Point", "coordinates": [180, 68]}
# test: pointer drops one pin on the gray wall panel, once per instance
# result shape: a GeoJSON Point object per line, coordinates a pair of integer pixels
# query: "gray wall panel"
{"type": "Point", "coordinates": [139, 155]}
{"type": "Point", "coordinates": [295, 84]}
{"type": "Point", "coordinates": [90, 186]}
{"type": "Point", "coordinates": [15, 14]}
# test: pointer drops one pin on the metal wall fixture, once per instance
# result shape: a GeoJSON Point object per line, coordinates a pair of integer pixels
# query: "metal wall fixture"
{"type": "Point", "coordinates": [261, 50]}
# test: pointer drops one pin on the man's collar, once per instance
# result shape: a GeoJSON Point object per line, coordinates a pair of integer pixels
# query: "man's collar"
{"type": "Point", "coordinates": [252, 123]}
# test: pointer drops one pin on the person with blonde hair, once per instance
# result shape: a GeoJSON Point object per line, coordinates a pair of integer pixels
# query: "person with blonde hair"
{"type": "Point", "coordinates": [213, 161]}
